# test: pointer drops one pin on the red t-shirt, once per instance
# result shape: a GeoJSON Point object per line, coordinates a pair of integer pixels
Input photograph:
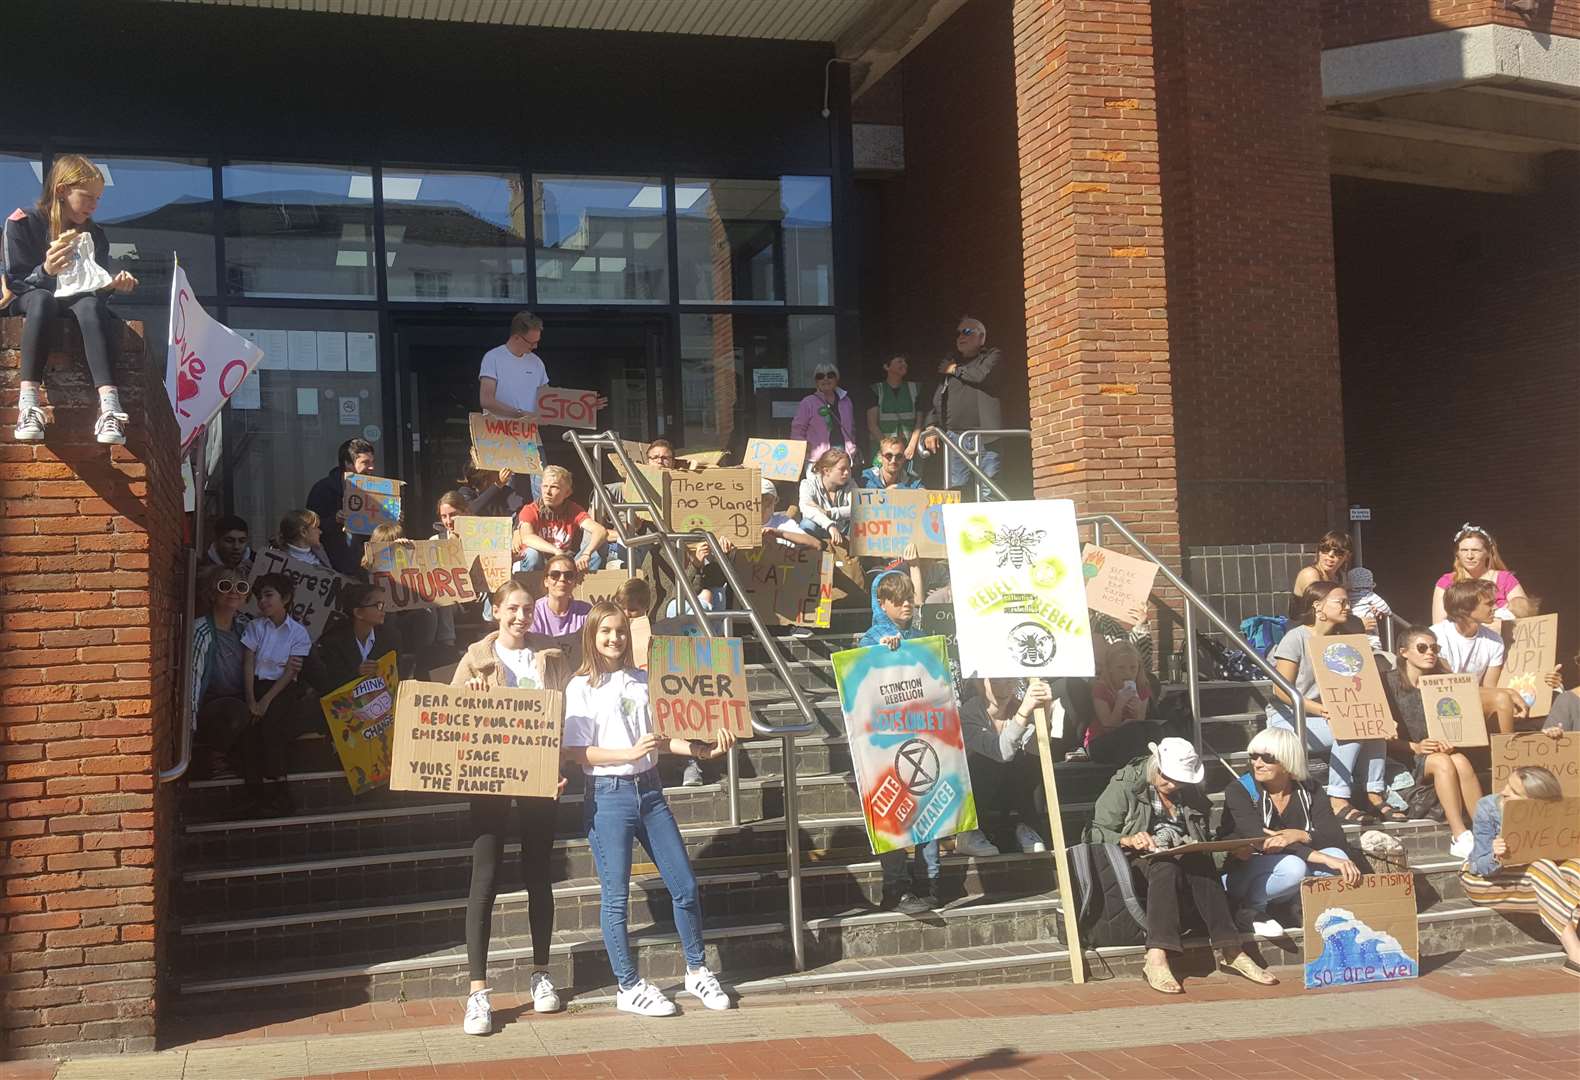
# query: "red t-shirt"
{"type": "Point", "coordinates": [1101, 691]}
{"type": "Point", "coordinates": [559, 530]}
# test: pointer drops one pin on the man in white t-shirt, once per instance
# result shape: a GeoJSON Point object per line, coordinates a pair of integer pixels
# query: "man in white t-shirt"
{"type": "Point", "coordinates": [513, 373]}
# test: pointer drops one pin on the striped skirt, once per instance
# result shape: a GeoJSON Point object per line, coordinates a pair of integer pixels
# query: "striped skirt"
{"type": "Point", "coordinates": [1550, 890]}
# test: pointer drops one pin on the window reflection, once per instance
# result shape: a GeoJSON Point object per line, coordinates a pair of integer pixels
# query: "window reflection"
{"type": "Point", "coordinates": [733, 365]}
{"type": "Point", "coordinates": [154, 210]}
{"type": "Point", "coordinates": [454, 236]}
{"type": "Point", "coordinates": [21, 179]}
{"type": "Point", "coordinates": [755, 241]}
{"type": "Point", "coordinates": [298, 230]}
{"type": "Point", "coordinates": [600, 239]}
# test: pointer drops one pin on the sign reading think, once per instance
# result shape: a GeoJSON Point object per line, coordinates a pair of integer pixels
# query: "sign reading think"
{"type": "Point", "coordinates": [486, 544]}
{"type": "Point", "coordinates": [370, 501]}
{"type": "Point", "coordinates": [505, 443]}
{"type": "Point", "coordinates": [1541, 829]}
{"type": "Point", "coordinates": [1362, 933]}
{"type": "Point", "coordinates": [361, 717]}
{"type": "Point", "coordinates": [602, 585]}
{"type": "Point", "coordinates": [776, 459]}
{"type": "Point", "coordinates": [1532, 655]}
{"type": "Point", "coordinates": [205, 361]}
{"type": "Point", "coordinates": [1020, 601]}
{"type": "Point", "coordinates": [883, 521]}
{"type": "Point", "coordinates": [422, 573]}
{"type": "Point", "coordinates": [317, 589]}
{"type": "Point", "coordinates": [903, 723]}
{"type": "Point", "coordinates": [727, 501]}
{"type": "Point", "coordinates": [568, 408]}
{"type": "Point", "coordinates": [698, 687]}
{"type": "Point", "coordinates": [1352, 691]}
{"type": "Point", "coordinates": [1560, 756]}
{"type": "Point", "coordinates": [1453, 709]}
{"type": "Point", "coordinates": [1117, 585]}
{"type": "Point", "coordinates": [477, 742]}
{"type": "Point", "coordinates": [795, 583]}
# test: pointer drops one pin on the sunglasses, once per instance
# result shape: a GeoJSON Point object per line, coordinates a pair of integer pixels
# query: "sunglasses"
{"type": "Point", "coordinates": [1332, 549]}
{"type": "Point", "coordinates": [560, 575]}
{"type": "Point", "coordinates": [226, 585]}
{"type": "Point", "coordinates": [1424, 648]}
{"type": "Point", "coordinates": [965, 331]}
{"type": "Point", "coordinates": [893, 457]}
{"type": "Point", "coordinates": [1265, 759]}
{"type": "Point", "coordinates": [826, 375]}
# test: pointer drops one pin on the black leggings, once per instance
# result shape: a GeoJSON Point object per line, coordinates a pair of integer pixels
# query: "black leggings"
{"type": "Point", "coordinates": [39, 308]}
{"type": "Point", "coordinates": [535, 822]}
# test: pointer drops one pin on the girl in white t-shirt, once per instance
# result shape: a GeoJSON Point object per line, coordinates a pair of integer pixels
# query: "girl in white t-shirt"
{"type": "Point", "coordinates": [609, 732]}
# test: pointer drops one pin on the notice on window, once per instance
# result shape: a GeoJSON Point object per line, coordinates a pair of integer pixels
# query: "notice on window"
{"type": "Point", "coordinates": [301, 348]}
{"type": "Point", "coordinates": [350, 411]}
{"type": "Point", "coordinates": [331, 350]}
{"type": "Point", "coordinates": [362, 352]}
{"type": "Point", "coordinates": [249, 395]}
{"type": "Point", "coordinates": [307, 401]}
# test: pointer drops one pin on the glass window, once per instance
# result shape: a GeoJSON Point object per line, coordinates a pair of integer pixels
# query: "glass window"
{"type": "Point", "coordinates": [298, 230]}
{"type": "Point", "coordinates": [319, 384]}
{"type": "Point", "coordinates": [21, 179]}
{"type": "Point", "coordinates": [454, 236]}
{"type": "Point", "coordinates": [741, 374]}
{"type": "Point", "coordinates": [600, 239]}
{"type": "Point", "coordinates": [154, 209]}
{"type": "Point", "coordinates": [755, 241]}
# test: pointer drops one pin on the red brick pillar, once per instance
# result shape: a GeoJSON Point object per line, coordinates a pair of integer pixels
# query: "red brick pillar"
{"type": "Point", "coordinates": [1096, 333]}
{"type": "Point", "coordinates": [89, 629]}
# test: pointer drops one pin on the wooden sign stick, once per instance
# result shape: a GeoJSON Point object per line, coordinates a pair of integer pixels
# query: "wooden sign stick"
{"type": "Point", "coordinates": [1061, 860]}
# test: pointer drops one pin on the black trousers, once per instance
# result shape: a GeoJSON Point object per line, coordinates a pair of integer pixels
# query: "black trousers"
{"type": "Point", "coordinates": [535, 822]}
{"type": "Point", "coordinates": [265, 744]}
{"type": "Point", "coordinates": [40, 308]}
{"type": "Point", "coordinates": [1174, 887]}
{"type": "Point", "coordinates": [1005, 788]}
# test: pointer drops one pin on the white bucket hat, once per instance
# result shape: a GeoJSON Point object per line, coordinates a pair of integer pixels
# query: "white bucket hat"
{"type": "Point", "coordinates": [1178, 760]}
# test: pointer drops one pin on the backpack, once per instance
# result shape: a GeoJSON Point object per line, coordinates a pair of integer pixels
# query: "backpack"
{"type": "Point", "coordinates": [1108, 907]}
{"type": "Point", "coordinates": [1262, 632]}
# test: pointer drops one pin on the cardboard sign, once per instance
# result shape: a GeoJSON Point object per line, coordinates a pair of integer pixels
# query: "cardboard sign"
{"type": "Point", "coordinates": [317, 592]}
{"type": "Point", "coordinates": [1533, 653]}
{"type": "Point", "coordinates": [1362, 933]}
{"type": "Point", "coordinates": [370, 501]}
{"type": "Point", "coordinates": [422, 573]}
{"type": "Point", "coordinates": [505, 443]}
{"type": "Point", "coordinates": [603, 584]}
{"type": "Point", "coordinates": [698, 686]}
{"type": "Point", "coordinates": [1540, 829]}
{"type": "Point", "coordinates": [1352, 691]}
{"type": "Point", "coordinates": [793, 583]}
{"type": "Point", "coordinates": [1560, 756]}
{"type": "Point", "coordinates": [1203, 846]}
{"type": "Point", "coordinates": [1019, 596]}
{"type": "Point", "coordinates": [937, 619]}
{"type": "Point", "coordinates": [568, 408]}
{"type": "Point", "coordinates": [1117, 585]}
{"type": "Point", "coordinates": [1453, 709]}
{"type": "Point", "coordinates": [636, 451]}
{"type": "Point", "coordinates": [884, 521]}
{"type": "Point", "coordinates": [453, 740]}
{"type": "Point", "coordinates": [485, 542]}
{"type": "Point", "coordinates": [641, 640]}
{"type": "Point", "coordinates": [776, 459]}
{"type": "Point", "coordinates": [361, 719]}
{"type": "Point", "coordinates": [726, 501]}
{"type": "Point", "coordinates": [903, 722]}
{"type": "Point", "coordinates": [704, 459]}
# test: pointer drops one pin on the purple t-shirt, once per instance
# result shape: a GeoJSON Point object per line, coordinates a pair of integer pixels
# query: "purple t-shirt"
{"type": "Point", "coordinates": [546, 621]}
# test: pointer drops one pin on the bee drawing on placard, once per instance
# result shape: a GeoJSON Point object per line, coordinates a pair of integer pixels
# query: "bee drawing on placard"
{"type": "Point", "coordinates": [1016, 545]}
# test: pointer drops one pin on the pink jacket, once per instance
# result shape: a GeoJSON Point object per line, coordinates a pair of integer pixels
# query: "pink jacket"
{"type": "Point", "coordinates": [811, 424]}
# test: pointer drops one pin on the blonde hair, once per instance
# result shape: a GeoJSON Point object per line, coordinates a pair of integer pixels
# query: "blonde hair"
{"type": "Point", "coordinates": [551, 472]}
{"type": "Point", "coordinates": [382, 534]}
{"type": "Point", "coordinates": [1283, 745]}
{"type": "Point", "coordinates": [594, 665]}
{"type": "Point", "coordinates": [294, 525]}
{"type": "Point", "coordinates": [1115, 649]}
{"type": "Point", "coordinates": [1538, 783]}
{"type": "Point", "coordinates": [66, 172]}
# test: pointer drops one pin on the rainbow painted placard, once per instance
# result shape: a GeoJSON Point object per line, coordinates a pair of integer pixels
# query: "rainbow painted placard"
{"type": "Point", "coordinates": [361, 718]}
{"type": "Point", "coordinates": [903, 721]}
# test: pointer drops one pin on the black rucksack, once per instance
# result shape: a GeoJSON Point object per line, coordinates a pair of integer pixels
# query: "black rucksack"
{"type": "Point", "coordinates": [1108, 908]}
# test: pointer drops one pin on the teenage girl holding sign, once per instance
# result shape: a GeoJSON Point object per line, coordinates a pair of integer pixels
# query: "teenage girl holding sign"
{"type": "Point", "coordinates": [609, 733]}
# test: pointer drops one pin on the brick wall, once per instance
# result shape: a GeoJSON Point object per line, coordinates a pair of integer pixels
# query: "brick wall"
{"type": "Point", "coordinates": [1351, 22]}
{"type": "Point", "coordinates": [1247, 223]}
{"type": "Point", "coordinates": [89, 622]}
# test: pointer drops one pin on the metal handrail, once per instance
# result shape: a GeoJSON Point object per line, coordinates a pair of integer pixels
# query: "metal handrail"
{"type": "Point", "coordinates": [973, 437]}
{"type": "Point", "coordinates": [199, 451]}
{"type": "Point", "coordinates": [668, 542]}
{"type": "Point", "coordinates": [982, 478]}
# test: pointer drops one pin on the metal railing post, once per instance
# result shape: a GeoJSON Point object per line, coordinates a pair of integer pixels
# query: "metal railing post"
{"type": "Point", "coordinates": [199, 452]}
{"type": "Point", "coordinates": [1193, 674]}
{"type": "Point", "coordinates": [949, 444]}
{"type": "Point", "coordinates": [732, 775]}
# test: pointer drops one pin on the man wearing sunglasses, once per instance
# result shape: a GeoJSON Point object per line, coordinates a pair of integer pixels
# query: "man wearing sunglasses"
{"type": "Point", "coordinates": [890, 472]}
{"type": "Point", "coordinates": [967, 397]}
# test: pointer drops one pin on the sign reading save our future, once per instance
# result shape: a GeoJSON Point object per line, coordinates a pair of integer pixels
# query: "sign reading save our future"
{"type": "Point", "coordinates": [422, 573]}
{"type": "Point", "coordinates": [453, 740]}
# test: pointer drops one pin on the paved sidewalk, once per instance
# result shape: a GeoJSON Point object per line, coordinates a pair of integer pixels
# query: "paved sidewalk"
{"type": "Point", "coordinates": [1522, 1022]}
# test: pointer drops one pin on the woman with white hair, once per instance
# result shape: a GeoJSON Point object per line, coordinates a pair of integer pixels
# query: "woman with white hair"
{"type": "Point", "coordinates": [825, 419]}
{"type": "Point", "coordinates": [1277, 801]}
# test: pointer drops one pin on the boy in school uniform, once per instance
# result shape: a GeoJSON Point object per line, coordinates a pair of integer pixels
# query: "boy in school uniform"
{"type": "Point", "coordinates": [276, 648]}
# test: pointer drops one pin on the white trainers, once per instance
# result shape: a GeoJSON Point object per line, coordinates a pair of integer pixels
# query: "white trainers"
{"type": "Point", "coordinates": [1265, 927]}
{"type": "Point", "coordinates": [1028, 839]}
{"type": "Point", "coordinates": [975, 843]}
{"type": "Point", "coordinates": [703, 985]}
{"type": "Point", "coordinates": [111, 428]}
{"type": "Point", "coordinates": [1463, 845]}
{"type": "Point", "coordinates": [479, 1014]}
{"type": "Point", "coordinates": [645, 999]}
{"type": "Point", "coordinates": [30, 424]}
{"type": "Point", "coordinates": [545, 999]}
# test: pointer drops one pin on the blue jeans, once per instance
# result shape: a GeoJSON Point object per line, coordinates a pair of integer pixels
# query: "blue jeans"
{"type": "Point", "coordinates": [535, 560]}
{"type": "Point", "coordinates": [1347, 761]}
{"type": "Point", "coordinates": [896, 875]}
{"type": "Point", "coordinates": [960, 476]}
{"type": "Point", "coordinates": [1267, 879]}
{"type": "Point", "coordinates": [615, 810]}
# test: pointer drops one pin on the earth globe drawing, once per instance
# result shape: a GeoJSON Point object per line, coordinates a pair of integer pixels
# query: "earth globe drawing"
{"type": "Point", "coordinates": [1448, 710]}
{"type": "Point", "coordinates": [1342, 659]}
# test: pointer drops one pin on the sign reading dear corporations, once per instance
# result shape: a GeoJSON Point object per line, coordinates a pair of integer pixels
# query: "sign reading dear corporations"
{"type": "Point", "coordinates": [1352, 691]}
{"type": "Point", "coordinates": [698, 687]}
{"type": "Point", "coordinates": [457, 741]}
{"type": "Point", "coordinates": [884, 521]}
{"type": "Point", "coordinates": [370, 501]}
{"type": "Point", "coordinates": [505, 443]}
{"type": "Point", "coordinates": [422, 573]}
{"type": "Point", "coordinates": [568, 408]}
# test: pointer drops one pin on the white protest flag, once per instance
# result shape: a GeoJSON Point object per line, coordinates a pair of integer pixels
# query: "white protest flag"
{"type": "Point", "coordinates": [206, 363]}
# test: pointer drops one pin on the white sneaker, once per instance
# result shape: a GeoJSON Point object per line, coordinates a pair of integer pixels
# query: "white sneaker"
{"type": "Point", "coordinates": [111, 428]}
{"type": "Point", "coordinates": [1463, 845]}
{"type": "Point", "coordinates": [692, 777]}
{"type": "Point", "coordinates": [975, 843]}
{"type": "Point", "coordinates": [545, 999]}
{"type": "Point", "coordinates": [479, 1015]}
{"type": "Point", "coordinates": [30, 424]}
{"type": "Point", "coordinates": [1267, 928]}
{"type": "Point", "coordinates": [703, 985]}
{"type": "Point", "coordinates": [644, 999]}
{"type": "Point", "coordinates": [1028, 839]}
